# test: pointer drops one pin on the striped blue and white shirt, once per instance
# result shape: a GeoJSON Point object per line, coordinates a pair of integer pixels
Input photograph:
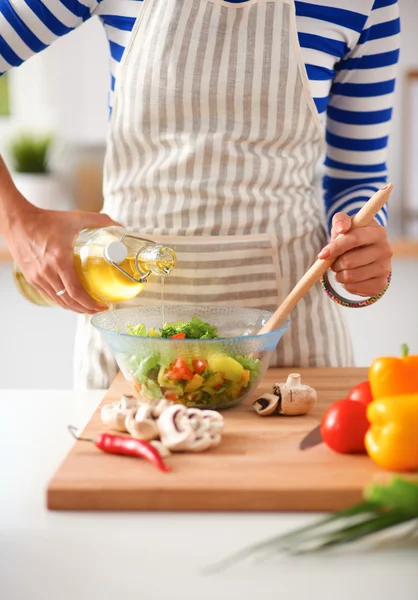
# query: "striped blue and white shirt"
{"type": "Point", "coordinates": [350, 49]}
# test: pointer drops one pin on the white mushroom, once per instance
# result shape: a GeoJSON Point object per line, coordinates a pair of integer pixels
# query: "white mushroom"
{"type": "Point", "coordinates": [207, 425]}
{"type": "Point", "coordinates": [159, 446]}
{"type": "Point", "coordinates": [176, 431]}
{"type": "Point", "coordinates": [291, 398]}
{"type": "Point", "coordinates": [196, 420]}
{"type": "Point", "coordinates": [189, 429]}
{"type": "Point", "coordinates": [202, 441]}
{"type": "Point", "coordinates": [201, 427]}
{"type": "Point", "coordinates": [215, 418]}
{"type": "Point", "coordinates": [296, 398]}
{"type": "Point", "coordinates": [128, 402]}
{"type": "Point", "coordinates": [114, 414]}
{"type": "Point", "coordinates": [141, 425]}
{"type": "Point", "coordinates": [266, 404]}
{"type": "Point", "coordinates": [159, 407]}
{"type": "Point", "coordinates": [215, 423]}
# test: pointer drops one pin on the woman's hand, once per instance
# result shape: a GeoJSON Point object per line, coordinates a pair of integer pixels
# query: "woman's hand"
{"type": "Point", "coordinates": [363, 256]}
{"type": "Point", "coordinates": [42, 242]}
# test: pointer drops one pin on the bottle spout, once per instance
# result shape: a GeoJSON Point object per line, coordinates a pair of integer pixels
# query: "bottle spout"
{"type": "Point", "coordinates": [166, 260]}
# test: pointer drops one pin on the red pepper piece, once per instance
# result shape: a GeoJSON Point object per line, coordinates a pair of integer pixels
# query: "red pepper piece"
{"type": "Point", "coordinates": [178, 336]}
{"type": "Point", "coordinates": [117, 444]}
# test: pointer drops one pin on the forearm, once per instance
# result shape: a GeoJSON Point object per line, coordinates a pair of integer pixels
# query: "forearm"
{"type": "Point", "coordinates": [12, 204]}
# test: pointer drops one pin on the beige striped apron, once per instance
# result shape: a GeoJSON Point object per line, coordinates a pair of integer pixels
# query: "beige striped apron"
{"type": "Point", "coordinates": [212, 147]}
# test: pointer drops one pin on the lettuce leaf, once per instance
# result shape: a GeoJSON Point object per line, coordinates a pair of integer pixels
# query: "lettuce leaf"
{"type": "Point", "coordinates": [151, 389]}
{"type": "Point", "coordinates": [251, 364]}
{"type": "Point", "coordinates": [139, 330]}
{"type": "Point", "coordinates": [195, 329]}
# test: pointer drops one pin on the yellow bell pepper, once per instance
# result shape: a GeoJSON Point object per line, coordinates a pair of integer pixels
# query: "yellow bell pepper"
{"type": "Point", "coordinates": [392, 376]}
{"type": "Point", "coordinates": [245, 377]}
{"type": "Point", "coordinates": [392, 439]}
{"type": "Point", "coordinates": [228, 367]}
{"type": "Point", "coordinates": [214, 381]}
{"type": "Point", "coordinates": [194, 384]}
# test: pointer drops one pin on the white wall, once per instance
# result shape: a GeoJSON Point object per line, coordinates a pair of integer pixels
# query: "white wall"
{"type": "Point", "coordinates": [408, 60]}
{"type": "Point", "coordinates": [68, 84]}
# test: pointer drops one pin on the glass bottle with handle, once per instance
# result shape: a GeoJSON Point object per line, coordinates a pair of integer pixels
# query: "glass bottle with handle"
{"type": "Point", "coordinates": [112, 264]}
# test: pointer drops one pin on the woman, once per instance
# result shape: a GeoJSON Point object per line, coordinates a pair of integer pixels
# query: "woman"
{"type": "Point", "coordinates": [216, 128]}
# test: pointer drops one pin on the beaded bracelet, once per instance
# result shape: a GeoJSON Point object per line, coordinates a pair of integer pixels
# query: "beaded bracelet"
{"type": "Point", "coordinates": [331, 293]}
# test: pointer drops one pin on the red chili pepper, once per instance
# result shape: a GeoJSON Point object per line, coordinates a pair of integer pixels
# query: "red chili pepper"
{"type": "Point", "coordinates": [117, 444]}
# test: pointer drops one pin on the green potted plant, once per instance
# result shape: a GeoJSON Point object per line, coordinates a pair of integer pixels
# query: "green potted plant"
{"type": "Point", "coordinates": [31, 171]}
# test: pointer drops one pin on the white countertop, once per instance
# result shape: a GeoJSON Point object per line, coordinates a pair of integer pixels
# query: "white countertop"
{"type": "Point", "coordinates": [150, 556]}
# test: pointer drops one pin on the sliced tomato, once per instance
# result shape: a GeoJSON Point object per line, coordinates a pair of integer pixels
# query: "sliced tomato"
{"type": "Point", "coordinates": [178, 336]}
{"type": "Point", "coordinates": [199, 366]}
{"type": "Point", "coordinates": [172, 397]}
{"type": "Point", "coordinates": [179, 371]}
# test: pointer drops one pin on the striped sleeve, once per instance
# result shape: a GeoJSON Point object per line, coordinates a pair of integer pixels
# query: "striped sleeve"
{"type": "Point", "coordinates": [29, 26]}
{"type": "Point", "coordinates": [359, 115]}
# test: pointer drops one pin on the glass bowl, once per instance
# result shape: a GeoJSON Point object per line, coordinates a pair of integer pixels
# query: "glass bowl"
{"type": "Point", "coordinates": [215, 374]}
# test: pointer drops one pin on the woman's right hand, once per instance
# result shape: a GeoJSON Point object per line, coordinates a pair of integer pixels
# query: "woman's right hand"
{"type": "Point", "coordinates": [42, 244]}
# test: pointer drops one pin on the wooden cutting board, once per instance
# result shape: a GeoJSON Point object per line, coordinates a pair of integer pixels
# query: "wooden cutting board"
{"type": "Point", "coordinates": [257, 467]}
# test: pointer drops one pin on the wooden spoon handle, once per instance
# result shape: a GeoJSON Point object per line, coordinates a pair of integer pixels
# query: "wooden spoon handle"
{"type": "Point", "coordinates": [362, 218]}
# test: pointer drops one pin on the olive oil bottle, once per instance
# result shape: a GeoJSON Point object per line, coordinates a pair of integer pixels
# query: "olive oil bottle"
{"type": "Point", "coordinates": [113, 265]}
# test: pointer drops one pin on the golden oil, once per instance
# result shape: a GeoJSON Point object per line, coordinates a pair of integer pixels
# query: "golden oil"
{"type": "Point", "coordinates": [28, 291]}
{"type": "Point", "coordinates": [109, 276]}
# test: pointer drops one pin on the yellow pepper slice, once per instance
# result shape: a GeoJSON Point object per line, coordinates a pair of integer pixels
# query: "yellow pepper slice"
{"type": "Point", "coordinates": [392, 439]}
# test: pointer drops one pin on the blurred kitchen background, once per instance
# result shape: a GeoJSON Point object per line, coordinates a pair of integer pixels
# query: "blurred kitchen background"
{"type": "Point", "coordinates": [64, 91]}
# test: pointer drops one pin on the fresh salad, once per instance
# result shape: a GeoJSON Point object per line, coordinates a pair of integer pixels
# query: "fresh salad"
{"type": "Point", "coordinates": [213, 380]}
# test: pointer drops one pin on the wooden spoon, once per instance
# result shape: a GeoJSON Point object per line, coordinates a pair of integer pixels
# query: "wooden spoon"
{"type": "Point", "coordinates": [362, 218]}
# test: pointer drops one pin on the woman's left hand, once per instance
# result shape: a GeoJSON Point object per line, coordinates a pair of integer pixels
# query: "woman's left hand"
{"type": "Point", "coordinates": [363, 256]}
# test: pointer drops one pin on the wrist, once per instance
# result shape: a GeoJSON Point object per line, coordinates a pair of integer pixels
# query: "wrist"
{"type": "Point", "coordinates": [14, 209]}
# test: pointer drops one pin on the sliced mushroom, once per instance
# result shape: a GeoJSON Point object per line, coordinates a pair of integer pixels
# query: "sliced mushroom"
{"type": "Point", "coordinates": [142, 425]}
{"type": "Point", "coordinates": [267, 404]}
{"type": "Point", "coordinates": [211, 423]}
{"type": "Point", "coordinates": [202, 429]}
{"type": "Point", "coordinates": [163, 450]}
{"type": "Point", "coordinates": [189, 429]}
{"type": "Point", "coordinates": [159, 407]}
{"type": "Point", "coordinates": [215, 423]}
{"type": "Point", "coordinates": [215, 419]}
{"type": "Point", "coordinates": [114, 416]}
{"type": "Point", "coordinates": [196, 420]}
{"type": "Point", "coordinates": [176, 431]}
{"type": "Point", "coordinates": [128, 402]}
{"type": "Point", "coordinates": [202, 440]}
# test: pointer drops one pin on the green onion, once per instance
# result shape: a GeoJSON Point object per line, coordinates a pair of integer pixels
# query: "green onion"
{"type": "Point", "coordinates": [385, 507]}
